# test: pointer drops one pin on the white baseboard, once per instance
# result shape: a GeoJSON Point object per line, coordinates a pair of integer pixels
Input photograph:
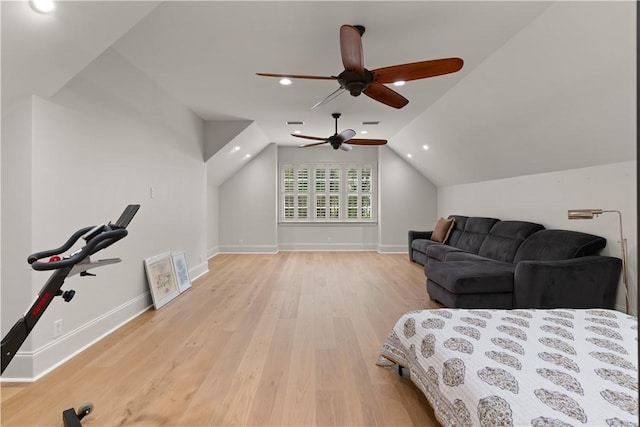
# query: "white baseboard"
{"type": "Point", "coordinates": [211, 252]}
{"type": "Point", "coordinates": [236, 249]}
{"type": "Point", "coordinates": [32, 365]}
{"type": "Point", "coordinates": [393, 249]}
{"type": "Point", "coordinates": [328, 247]}
{"type": "Point", "coordinates": [260, 249]}
{"type": "Point", "coordinates": [199, 270]}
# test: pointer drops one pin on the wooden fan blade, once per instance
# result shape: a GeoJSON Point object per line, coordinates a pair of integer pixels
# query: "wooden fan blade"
{"type": "Point", "coordinates": [417, 70]}
{"type": "Point", "coordinates": [345, 135]}
{"type": "Point", "coordinates": [351, 49]}
{"type": "Point", "coordinates": [315, 138]}
{"type": "Point", "coordinates": [312, 144]}
{"type": "Point", "coordinates": [298, 76]}
{"type": "Point", "coordinates": [359, 141]}
{"type": "Point", "coordinates": [385, 95]}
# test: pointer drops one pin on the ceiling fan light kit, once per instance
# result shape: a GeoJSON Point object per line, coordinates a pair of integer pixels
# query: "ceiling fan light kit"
{"type": "Point", "coordinates": [356, 79]}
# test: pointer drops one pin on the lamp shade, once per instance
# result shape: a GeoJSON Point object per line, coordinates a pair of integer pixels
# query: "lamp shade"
{"type": "Point", "coordinates": [583, 213]}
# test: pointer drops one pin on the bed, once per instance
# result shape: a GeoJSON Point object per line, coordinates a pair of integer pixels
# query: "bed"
{"type": "Point", "coordinates": [540, 368]}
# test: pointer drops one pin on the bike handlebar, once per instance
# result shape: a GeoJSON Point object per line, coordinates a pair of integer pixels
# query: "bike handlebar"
{"type": "Point", "coordinates": [38, 255]}
{"type": "Point", "coordinates": [101, 239]}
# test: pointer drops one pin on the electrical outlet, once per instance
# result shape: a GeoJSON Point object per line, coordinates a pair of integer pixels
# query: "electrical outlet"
{"type": "Point", "coordinates": [57, 328]}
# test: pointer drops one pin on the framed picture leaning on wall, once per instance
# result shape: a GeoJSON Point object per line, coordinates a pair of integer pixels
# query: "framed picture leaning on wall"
{"type": "Point", "coordinates": [161, 278]}
{"type": "Point", "coordinates": [182, 270]}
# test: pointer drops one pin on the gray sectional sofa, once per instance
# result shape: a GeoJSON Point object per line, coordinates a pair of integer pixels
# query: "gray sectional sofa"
{"type": "Point", "coordinates": [489, 263]}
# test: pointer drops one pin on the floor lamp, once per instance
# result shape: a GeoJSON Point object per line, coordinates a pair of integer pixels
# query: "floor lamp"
{"type": "Point", "coordinates": [590, 214]}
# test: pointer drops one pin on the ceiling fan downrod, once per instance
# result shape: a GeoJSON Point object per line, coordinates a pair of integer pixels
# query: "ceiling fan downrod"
{"type": "Point", "coordinates": [336, 116]}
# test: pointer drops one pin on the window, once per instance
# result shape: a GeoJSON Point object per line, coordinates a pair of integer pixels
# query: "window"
{"type": "Point", "coordinates": [327, 193]}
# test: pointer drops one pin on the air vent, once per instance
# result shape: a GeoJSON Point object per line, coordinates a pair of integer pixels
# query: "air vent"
{"type": "Point", "coordinates": [291, 123]}
{"type": "Point", "coordinates": [370, 123]}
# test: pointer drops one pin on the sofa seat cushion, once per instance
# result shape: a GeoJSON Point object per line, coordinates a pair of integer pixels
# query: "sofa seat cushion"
{"type": "Point", "coordinates": [472, 277]}
{"type": "Point", "coordinates": [448, 299]}
{"type": "Point", "coordinates": [440, 252]}
{"type": "Point", "coordinates": [421, 245]}
{"type": "Point", "coordinates": [466, 256]}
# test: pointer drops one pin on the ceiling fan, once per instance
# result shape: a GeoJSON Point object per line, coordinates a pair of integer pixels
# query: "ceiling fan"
{"type": "Point", "coordinates": [356, 79]}
{"type": "Point", "coordinates": [339, 140]}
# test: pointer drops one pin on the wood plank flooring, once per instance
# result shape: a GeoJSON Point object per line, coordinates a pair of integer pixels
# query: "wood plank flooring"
{"type": "Point", "coordinates": [289, 339]}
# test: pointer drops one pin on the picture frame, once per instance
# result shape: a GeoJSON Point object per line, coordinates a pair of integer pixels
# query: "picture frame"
{"type": "Point", "coordinates": [161, 278]}
{"type": "Point", "coordinates": [182, 270]}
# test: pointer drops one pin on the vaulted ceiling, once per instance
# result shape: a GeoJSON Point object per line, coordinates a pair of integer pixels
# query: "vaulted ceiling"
{"type": "Point", "coordinates": [545, 85]}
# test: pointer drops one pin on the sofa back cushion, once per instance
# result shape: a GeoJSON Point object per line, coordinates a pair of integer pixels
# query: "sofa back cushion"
{"type": "Point", "coordinates": [504, 239]}
{"type": "Point", "coordinates": [475, 230]}
{"type": "Point", "coordinates": [458, 227]}
{"type": "Point", "coordinates": [553, 245]}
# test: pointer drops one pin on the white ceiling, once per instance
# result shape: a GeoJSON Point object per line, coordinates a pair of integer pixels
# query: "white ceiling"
{"type": "Point", "coordinates": [545, 86]}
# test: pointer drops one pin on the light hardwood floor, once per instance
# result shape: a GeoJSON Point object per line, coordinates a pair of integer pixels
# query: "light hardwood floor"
{"type": "Point", "coordinates": [289, 339]}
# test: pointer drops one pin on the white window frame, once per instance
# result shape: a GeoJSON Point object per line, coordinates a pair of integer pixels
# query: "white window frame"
{"type": "Point", "coordinates": [316, 183]}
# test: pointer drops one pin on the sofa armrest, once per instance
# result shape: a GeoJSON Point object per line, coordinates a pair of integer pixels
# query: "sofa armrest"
{"type": "Point", "coordinates": [414, 234]}
{"type": "Point", "coordinates": [585, 282]}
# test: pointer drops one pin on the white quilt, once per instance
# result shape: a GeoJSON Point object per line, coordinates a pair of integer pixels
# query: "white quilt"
{"type": "Point", "coordinates": [538, 368]}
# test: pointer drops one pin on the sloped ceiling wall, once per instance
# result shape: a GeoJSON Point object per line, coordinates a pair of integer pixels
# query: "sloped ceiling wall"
{"type": "Point", "coordinates": [559, 95]}
{"type": "Point", "coordinates": [234, 155]}
{"type": "Point", "coordinates": [40, 53]}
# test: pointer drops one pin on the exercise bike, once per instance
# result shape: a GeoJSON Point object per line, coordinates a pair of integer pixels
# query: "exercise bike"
{"type": "Point", "coordinates": [79, 262]}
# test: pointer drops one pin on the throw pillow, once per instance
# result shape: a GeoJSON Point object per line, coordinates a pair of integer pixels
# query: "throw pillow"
{"type": "Point", "coordinates": [442, 229]}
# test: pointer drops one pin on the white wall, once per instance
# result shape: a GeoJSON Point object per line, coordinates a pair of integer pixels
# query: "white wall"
{"type": "Point", "coordinates": [545, 199]}
{"type": "Point", "coordinates": [327, 236]}
{"type": "Point", "coordinates": [405, 199]}
{"type": "Point", "coordinates": [15, 288]}
{"type": "Point", "coordinates": [409, 201]}
{"type": "Point", "coordinates": [247, 206]}
{"type": "Point", "coordinates": [102, 142]}
{"type": "Point", "coordinates": [213, 220]}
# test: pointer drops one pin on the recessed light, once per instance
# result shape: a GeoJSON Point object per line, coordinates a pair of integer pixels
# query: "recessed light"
{"type": "Point", "coordinates": [297, 131]}
{"type": "Point", "coordinates": [285, 81]}
{"type": "Point", "coordinates": [247, 156]}
{"type": "Point", "coordinates": [399, 83]}
{"type": "Point", "coordinates": [364, 131]}
{"type": "Point", "coordinates": [42, 6]}
{"type": "Point", "coordinates": [409, 155]}
{"type": "Point", "coordinates": [425, 147]}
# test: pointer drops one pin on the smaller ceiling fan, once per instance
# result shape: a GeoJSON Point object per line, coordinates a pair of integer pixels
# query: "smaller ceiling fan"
{"type": "Point", "coordinates": [339, 140]}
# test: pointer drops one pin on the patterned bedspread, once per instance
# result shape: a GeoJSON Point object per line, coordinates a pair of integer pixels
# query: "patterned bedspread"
{"type": "Point", "coordinates": [541, 368]}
